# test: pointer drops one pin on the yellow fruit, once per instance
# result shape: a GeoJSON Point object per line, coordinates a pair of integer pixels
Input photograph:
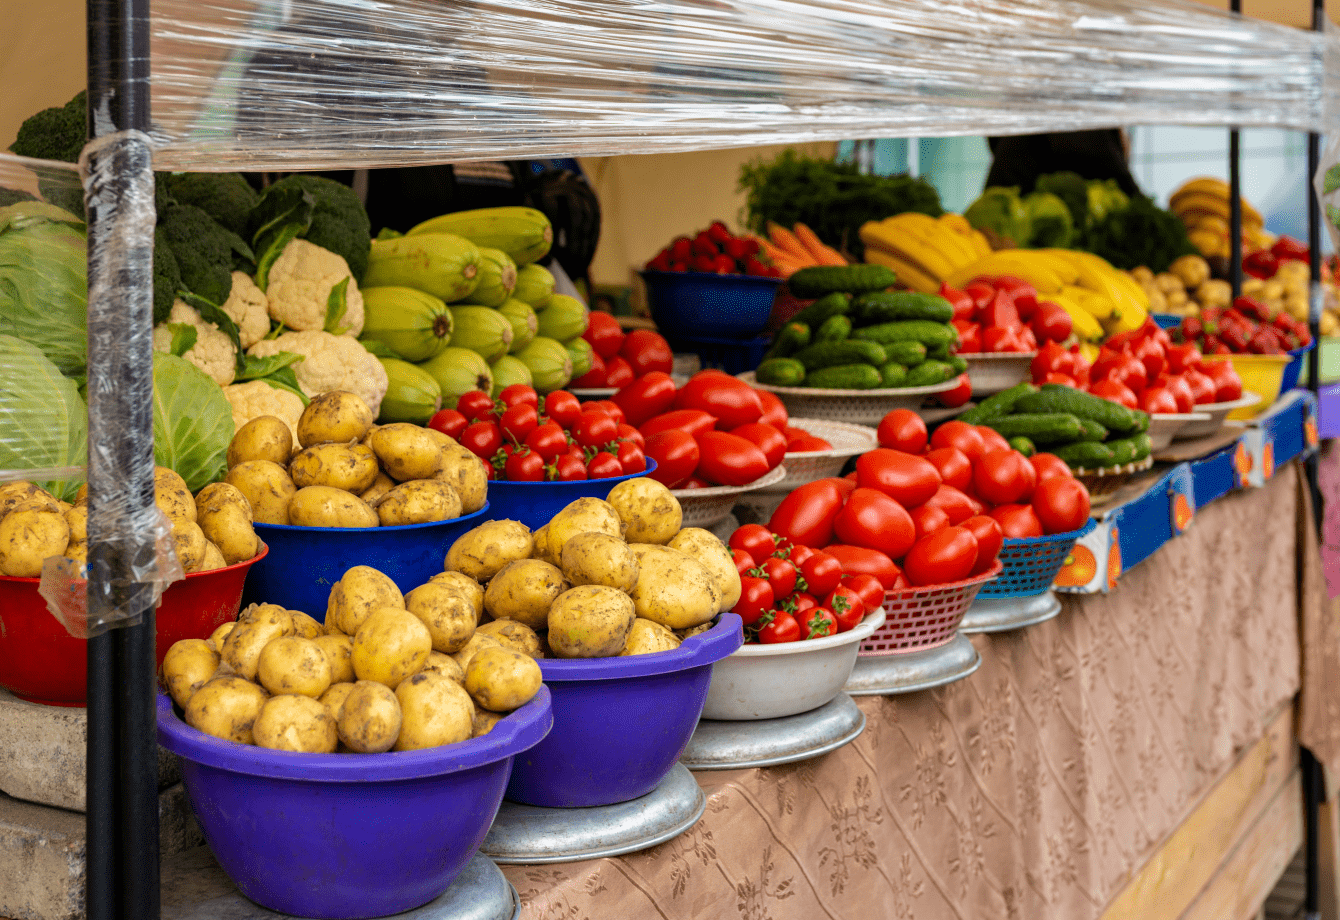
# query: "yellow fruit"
{"type": "Point", "coordinates": [911, 275]}
{"type": "Point", "coordinates": [899, 241]}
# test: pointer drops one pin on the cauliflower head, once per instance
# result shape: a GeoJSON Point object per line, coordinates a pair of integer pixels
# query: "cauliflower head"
{"type": "Point", "coordinates": [213, 350]}
{"type": "Point", "coordinates": [256, 398]}
{"type": "Point", "coordinates": [330, 362]}
{"type": "Point", "coordinates": [299, 286]}
{"type": "Point", "coordinates": [249, 308]}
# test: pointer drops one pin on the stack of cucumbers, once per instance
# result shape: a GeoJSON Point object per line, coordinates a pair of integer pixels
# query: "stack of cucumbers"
{"type": "Point", "coordinates": [1086, 431]}
{"type": "Point", "coordinates": [858, 336]}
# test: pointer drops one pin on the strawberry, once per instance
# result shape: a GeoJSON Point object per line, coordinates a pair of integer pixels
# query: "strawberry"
{"type": "Point", "coordinates": [705, 263]}
{"type": "Point", "coordinates": [753, 266]}
{"type": "Point", "coordinates": [681, 249]}
{"type": "Point", "coordinates": [738, 249]}
{"type": "Point", "coordinates": [661, 262]}
{"type": "Point", "coordinates": [725, 265]}
{"type": "Point", "coordinates": [718, 233]}
{"type": "Point", "coordinates": [703, 245]}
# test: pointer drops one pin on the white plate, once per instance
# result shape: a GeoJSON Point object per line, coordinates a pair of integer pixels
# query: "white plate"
{"type": "Point", "coordinates": [860, 407]}
{"type": "Point", "coordinates": [594, 393]}
{"type": "Point", "coordinates": [1165, 426]}
{"type": "Point", "coordinates": [1217, 413]}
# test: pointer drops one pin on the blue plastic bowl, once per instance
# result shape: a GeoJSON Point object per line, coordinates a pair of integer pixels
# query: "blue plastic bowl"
{"type": "Point", "coordinates": [1294, 369]}
{"type": "Point", "coordinates": [348, 835]}
{"type": "Point", "coordinates": [1167, 320]}
{"type": "Point", "coordinates": [534, 503]}
{"type": "Point", "coordinates": [715, 306]}
{"type": "Point", "coordinates": [620, 724]}
{"type": "Point", "coordinates": [304, 562]}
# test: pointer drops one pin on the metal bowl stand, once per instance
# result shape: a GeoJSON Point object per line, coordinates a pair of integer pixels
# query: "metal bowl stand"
{"type": "Point", "coordinates": [1002, 614]}
{"type": "Point", "coordinates": [908, 672]}
{"type": "Point", "coordinates": [722, 745]}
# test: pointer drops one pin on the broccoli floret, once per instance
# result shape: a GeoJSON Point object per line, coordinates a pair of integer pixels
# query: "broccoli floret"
{"type": "Point", "coordinates": [1071, 188]}
{"type": "Point", "coordinates": [55, 133]}
{"type": "Point", "coordinates": [226, 197]}
{"type": "Point", "coordinates": [1050, 224]}
{"type": "Point", "coordinates": [339, 221]}
{"type": "Point", "coordinates": [167, 276]}
{"type": "Point", "coordinates": [206, 252]}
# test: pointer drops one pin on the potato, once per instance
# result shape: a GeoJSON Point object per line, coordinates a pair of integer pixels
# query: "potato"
{"type": "Point", "coordinates": [338, 650]}
{"type": "Point", "coordinates": [217, 496]}
{"type": "Point", "coordinates": [360, 590]}
{"type": "Point", "coordinates": [648, 638]}
{"type": "Point", "coordinates": [40, 503]}
{"type": "Point", "coordinates": [296, 723]}
{"type": "Point", "coordinates": [306, 627]}
{"type": "Point", "coordinates": [220, 635]}
{"type": "Point", "coordinates": [542, 549]}
{"type": "Point", "coordinates": [484, 722]}
{"type": "Point", "coordinates": [380, 486]}
{"type": "Point", "coordinates": [78, 553]}
{"type": "Point", "coordinates": [174, 501]}
{"type": "Point", "coordinates": [229, 528]}
{"type": "Point", "coordinates": [190, 544]}
{"type": "Point", "coordinates": [326, 506]}
{"type": "Point", "coordinates": [80, 496]}
{"type": "Point", "coordinates": [293, 665]}
{"type": "Point", "coordinates": [213, 558]}
{"type": "Point", "coordinates": [335, 416]}
{"type": "Point", "coordinates": [467, 475]}
{"type": "Point", "coordinates": [650, 512]}
{"type": "Point", "coordinates": [226, 707]}
{"type": "Point", "coordinates": [77, 520]}
{"type": "Point", "coordinates": [352, 468]}
{"type": "Point", "coordinates": [513, 635]}
{"type": "Point", "coordinates": [188, 666]}
{"type": "Point", "coordinates": [435, 710]}
{"type": "Point", "coordinates": [682, 634]}
{"type": "Point", "coordinates": [523, 591]}
{"type": "Point", "coordinates": [11, 493]}
{"type": "Point", "coordinates": [407, 451]}
{"type": "Point", "coordinates": [674, 589]}
{"type": "Point", "coordinates": [712, 553]}
{"type": "Point", "coordinates": [585, 515]}
{"type": "Point", "coordinates": [466, 585]}
{"type": "Point", "coordinates": [478, 642]}
{"type": "Point", "coordinates": [445, 665]}
{"type": "Point", "coordinates": [257, 628]}
{"type": "Point", "coordinates": [484, 552]}
{"type": "Point", "coordinates": [502, 679]}
{"type": "Point", "coordinates": [266, 437]}
{"type": "Point", "coordinates": [29, 537]}
{"type": "Point", "coordinates": [369, 721]}
{"type": "Point", "coordinates": [266, 487]}
{"type": "Point", "coordinates": [418, 502]}
{"type": "Point", "coordinates": [334, 697]}
{"type": "Point", "coordinates": [447, 612]}
{"type": "Point", "coordinates": [599, 559]}
{"type": "Point", "coordinates": [391, 645]}
{"type": "Point", "coordinates": [589, 622]}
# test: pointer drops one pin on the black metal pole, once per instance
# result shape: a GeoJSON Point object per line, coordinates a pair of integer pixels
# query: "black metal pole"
{"type": "Point", "coordinates": [1235, 204]}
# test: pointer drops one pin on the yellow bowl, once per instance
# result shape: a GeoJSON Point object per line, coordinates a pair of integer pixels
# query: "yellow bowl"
{"type": "Point", "coordinates": [1261, 374]}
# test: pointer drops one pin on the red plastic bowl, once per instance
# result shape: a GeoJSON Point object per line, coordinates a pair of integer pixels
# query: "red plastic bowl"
{"type": "Point", "coordinates": [42, 663]}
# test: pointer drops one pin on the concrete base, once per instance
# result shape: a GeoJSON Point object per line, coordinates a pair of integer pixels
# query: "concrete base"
{"type": "Point", "coordinates": [43, 854]}
{"type": "Point", "coordinates": [42, 754]}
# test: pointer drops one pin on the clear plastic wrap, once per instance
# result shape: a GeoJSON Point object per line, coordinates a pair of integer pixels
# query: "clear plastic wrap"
{"type": "Point", "coordinates": [307, 84]}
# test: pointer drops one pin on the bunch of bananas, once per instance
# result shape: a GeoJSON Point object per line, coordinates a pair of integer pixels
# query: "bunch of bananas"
{"type": "Point", "coordinates": [1202, 205]}
{"type": "Point", "coordinates": [923, 251]}
{"type": "Point", "coordinates": [1100, 299]}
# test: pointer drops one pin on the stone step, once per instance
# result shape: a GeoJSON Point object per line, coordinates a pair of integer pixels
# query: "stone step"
{"type": "Point", "coordinates": [43, 854]}
{"type": "Point", "coordinates": [42, 754]}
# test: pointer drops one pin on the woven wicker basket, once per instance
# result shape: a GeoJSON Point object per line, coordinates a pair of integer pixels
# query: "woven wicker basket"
{"type": "Point", "coordinates": [707, 507]}
{"type": "Point", "coordinates": [921, 618]}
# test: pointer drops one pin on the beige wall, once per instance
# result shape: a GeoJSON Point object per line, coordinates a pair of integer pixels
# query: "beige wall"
{"type": "Point", "coordinates": [42, 59]}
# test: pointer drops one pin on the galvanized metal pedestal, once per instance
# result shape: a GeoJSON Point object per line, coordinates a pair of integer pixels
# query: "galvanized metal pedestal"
{"type": "Point", "coordinates": [721, 745]}
{"type": "Point", "coordinates": [195, 888]}
{"type": "Point", "coordinates": [1002, 614]}
{"type": "Point", "coordinates": [531, 835]}
{"type": "Point", "coordinates": [908, 672]}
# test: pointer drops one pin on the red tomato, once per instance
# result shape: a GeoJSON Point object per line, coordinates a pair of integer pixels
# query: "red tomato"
{"type": "Point", "coordinates": [1182, 357]}
{"type": "Point", "coordinates": [548, 440]}
{"type": "Point", "coordinates": [676, 454]}
{"type": "Point", "coordinates": [928, 519]}
{"type": "Point", "coordinates": [693, 482]}
{"type": "Point", "coordinates": [1116, 392]}
{"type": "Point", "coordinates": [519, 421]}
{"type": "Point", "coordinates": [807, 445]}
{"type": "Point", "coordinates": [1018, 520]}
{"type": "Point", "coordinates": [872, 519]}
{"type": "Point", "coordinates": [754, 539]}
{"type": "Point", "coordinates": [756, 598]}
{"type": "Point", "coordinates": [805, 517]}
{"type": "Point", "coordinates": [647, 351]}
{"type": "Point", "coordinates": [1202, 387]}
{"type": "Point", "coordinates": [743, 561]}
{"type": "Point", "coordinates": [822, 573]}
{"type": "Point", "coordinates": [1227, 383]}
{"type": "Point", "coordinates": [1064, 380]}
{"type": "Point", "coordinates": [957, 505]}
{"type": "Point", "coordinates": [729, 460]}
{"type": "Point", "coordinates": [732, 401]}
{"type": "Point", "coordinates": [1051, 323]}
{"type": "Point", "coordinates": [603, 333]}
{"type": "Point", "coordinates": [1181, 391]}
{"type": "Point", "coordinates": [604, 466]}
{"type": "Point", "coordinates": [817, 622]}
{"type": "Point", "coordinates": [966, 438]}
{"type": "Point", "coordinates": [1061, 504]}
{"type": "Point", "coordinates": [955, 470]}
{"type": "Point", "coordinates": [1052, 359]}
{"type": "Point", "coordinates": [867, 587]}
{"type": "Point", "coordinates": [1150, 353]}
{"type": "Point", "coordinates": [1003, 477]}
{"type": "Point", "coordinates": [562, 407]}
{"type": "Point", "coordinates": [992, 440]}
{"type": "Point", "coordinates": [568, 468]}
{"type": "Point", "coordinates": [802, 602]}
{"type": "Point", "coordinates": [907, 479]}
{"type": "Point", "coordinates": [519, 394]}
{"type": "Point", "coordinates": [475, 405]}
{"type": "Point", "coordinates": [525, 466]}
{"type": "Point", "coordinates": [861, 560]}
{"type": "Point", "coordinates": [945, 556]}
{"type": "Point", "coordinates": [1000, 339]}
{"type": "Point", "coordinates": [629, 433]}
{"type": "Point", "coordinates": [631, 458]}
{"type": "Point", "coordinates": [450, 422]}
{"type": "Point", "coordinates": [847, 606]}
{"type": "Point", "coordinates": [1158, 399]}
{"type": "Point", "coordinates": [645, 397]}
{"type": "Point", "coordinates": [767, 439]}
{"type": "Point", "coordinates": [1048, 465]}
{"type": "Point", "coordinates": [782, 628]}
{"type": "Point", "coordinates": [483, 439]}
{"type": "Point", "coordinates": [902, 429]}
{"type": "Point", "coordinates": [607, 407]}
{"type": "Point", "coordinates": [618, 373]}
{"type": "Point", "coordinates": [781, 574]}
{"type": "Point", "coordinates": [691, 421]}
{"type": "Point", "coordinates": [969, 336]}
{"type": "Point", "coordinates": [958, 396]}
{"type": "Point", "coordinates": [594, 378]}
{"type": "Point", "coordinates": [595, 429]}
{"type": "Point", "coordinates": [774, 412]}
{"type": "Point", "coordinates": [990, 538]}
{"type": "Point", "coordinates": [797, 554]}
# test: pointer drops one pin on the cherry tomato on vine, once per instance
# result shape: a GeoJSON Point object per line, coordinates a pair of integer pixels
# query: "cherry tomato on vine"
{"type": "Point", "coordinates": [754, 539]}
{"type": "Point", "coordinates": [818, 622]}
{"type": "Point", "coordinates": [475, 405]}
{"type": "Point", "coordinates": [782, 628]}
{"type": "Point", "coordinates": [867, 587]}
{"type": "Point", "coordinates": [547, 440]}
{"type": "Point", "coordinates": [798, 554]}
{"type": "Point", "coordinates": [524, 465]}
{"type": "Point", "coordinates": [743, 561]}
{"type": "Point", "coordinates": [781, 574]}
{"type": "Point", "coordinates": [519, 394]}
{"type": "Point", "coordinates": [483, 439]}
{"type": "Point", "coordinates": [847, 606]}
{"type": "Point", "coordinates": [569, 468]}
{"type": "Point", "coordinates": [603, 466]}
{"type": "Point", "coordinates": [519, 421]}
{"type": "Point", "coordinates": [802, 601]}
{"type": "Point", "coordinates": [562, 407]}
{"type": "Point", "coordinates": [629, 433]}
{"type": "Point", "coordinates": [595, 429]}
{"type": "Point", "coordinates": [631, 458]}
{"type": "Point", "coordinates": [449, 422]}
{"type": "Point", "coordinates": [756, 598]}
{"type": "Point", "coordinates": [822, 574]}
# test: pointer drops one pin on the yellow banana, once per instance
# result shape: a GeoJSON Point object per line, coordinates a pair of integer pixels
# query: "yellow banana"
{"type": "Point", "coordinates": [980, 244]}
{"type": "Point", "coordinates": [1082, 322]}
{"type": "Point", "coordinates": [1201, 201]}
{"type": "Point", "coordinates": [1211, 184]}
{"type": "Point", "coordinates": [955, 249]}
{"type": "Point", "coordinates": [1019, 263]}
{"type": "Point", "coordinates": [1058, 261]}
{"type": "Point", "coordinates": [956, 222]}
{"type": "Point", "coordinates": [1094, 303]}
{"type": "Point", "coordinates": [1132, 289]}
{"type": "Point", "coordinates": [1090, 351]}
{"type": "Point", "coordinates": [908, 274]}
{"type": "Point", "coordinates": [908, 246]}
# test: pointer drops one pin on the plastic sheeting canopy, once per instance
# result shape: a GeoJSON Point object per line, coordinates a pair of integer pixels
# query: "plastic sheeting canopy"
{"type": "Point", "coordinates": [307, 84]}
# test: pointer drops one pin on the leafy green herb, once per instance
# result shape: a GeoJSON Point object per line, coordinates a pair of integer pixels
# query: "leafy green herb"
{"type": "Point", "coordinates": [254, 368]}
{"type": "Point", "coordinates": [336, 306]}
{"type": "Point", "coordinates": [1139, 234]}
{"type": "Point", "coordinates": [184, 336]}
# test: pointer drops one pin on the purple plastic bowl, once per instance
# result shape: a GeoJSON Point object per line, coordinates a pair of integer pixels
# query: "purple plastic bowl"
{"type": "Point", "coordinates": [534, 503]}
{"type": "Point", "coordinates": [340, 836]}
{"type": "Point", "coordinates": [620, 724]}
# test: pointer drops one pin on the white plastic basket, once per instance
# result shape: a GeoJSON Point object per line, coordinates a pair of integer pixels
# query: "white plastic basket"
{"type": "Point", "coordinates": [707, 507]}
{"type": "Point", "coordinates": [860, 407]}
{"type": "Point", "coordinates": [992, 372]}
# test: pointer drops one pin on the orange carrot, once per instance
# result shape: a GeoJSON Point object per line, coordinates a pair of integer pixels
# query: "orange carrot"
{"type": "Point", "coordinates": [822, 254]}
{"type": "Point", "coordinates": [787, 241]}
{"type": "Point", "coordinates": [773, 251]}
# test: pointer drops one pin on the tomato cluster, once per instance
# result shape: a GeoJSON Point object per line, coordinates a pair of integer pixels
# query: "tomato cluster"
{"type": "Point", "coordinates": [523, 437]}
{"type": "Point", "coordinates": [1264, 263]}
{"type": "Point", "coordinates": [1247, 327]}
{"type": "Point", "coordinates": [1143, 369]}
{"type": "Point", "coordinates": [790, 592]}
{"type": "Point", "coordinates": [1003, 314]}
{"type": "Point", "coordinates": [713, 250]}
{"type": "Point", "coordinates": [619, 358]}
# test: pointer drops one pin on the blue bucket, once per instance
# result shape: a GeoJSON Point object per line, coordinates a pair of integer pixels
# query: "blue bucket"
{"type": "Point", "coordinates": [699, 304]}
{"type": "Point", "coordinates": [534, 503]}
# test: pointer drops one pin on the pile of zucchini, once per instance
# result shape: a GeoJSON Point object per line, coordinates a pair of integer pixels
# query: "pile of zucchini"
{"type": "Point", "coordinates": [858, 336]}
{"type": "Point", "coordinates": [1086, 431]}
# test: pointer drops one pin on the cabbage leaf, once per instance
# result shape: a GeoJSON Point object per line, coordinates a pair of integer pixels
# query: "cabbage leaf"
{"type": "Point", "coordinates": [43, 420]}
{"type": "Point", "coordinates": [193, 421]}
{"type": "Point", "coordinates": [44, 282]}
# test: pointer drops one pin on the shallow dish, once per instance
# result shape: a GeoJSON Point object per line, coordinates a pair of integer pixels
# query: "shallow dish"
{"type": "Point", "coordinates": [1164, 427]}
{"type": "Point", "coordinates": [992, 372]}
{"type": "Point", "coordinates": [706, 507]}
{"type": "Point", "coordinates": [1218, 413]}
{"type": "Point", "coordinates": [861, 407]}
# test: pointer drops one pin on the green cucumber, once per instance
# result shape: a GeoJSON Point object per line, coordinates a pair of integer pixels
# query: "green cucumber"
{"type": "Point", "coordinates": [781, 372]}
{"type": "Point", "coordinates": [958, 363]}
{"type": "Point", "coordinates": [1056, 397]}
{"type": "Point", "coordinates": [938, 351]}
{"type": "Point", "coordinates": [1023, 445]}
{"type": "Point", "coordinates": [833, 329]}
{"type": "Point", "coordinates": [892, 376]}
{"type": "Point", "coordinates": [790, 339]}
{"type": "Point", "coordinates": [1092, 430]}
{"type": "Point", "coordinates": [912, 330]}
{"type": "Point", "coordinates": [1087, 455]}
{"type": "Point", "coordinates": [890, 306]}
{"type": "Point", "coordinates": [815, 314]}
{"type": "Point", "coordinates": [819, 280]}
{"type": "Point", "coordinates": [1048, 428]}
{"type": "Point", "coordinates": [997, 405]}
{"type": "Point", "coordinates": [832, 354]}
{"type": "Point", "coordinates": [929, 373]}
{"type": "Point", "coordinates": [845, 377]}
{"type": "Point", "coordinates": [908, 354]}
{"type": "Point", "coordinates": [1132, 449]}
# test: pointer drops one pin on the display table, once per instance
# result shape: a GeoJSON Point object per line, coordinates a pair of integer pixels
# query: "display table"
{"type": "Point", "coordinates": [1040, 786]}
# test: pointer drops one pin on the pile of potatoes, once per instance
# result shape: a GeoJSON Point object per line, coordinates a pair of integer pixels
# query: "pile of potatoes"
{"type": "Point", "coordinates": [210, 530]}
{"type": "Point", "coordinates": [385, 672]}
{"type": "Point", "coordinates": [348, 472]}
{"type": "Point", "coordinates": [602, 578]}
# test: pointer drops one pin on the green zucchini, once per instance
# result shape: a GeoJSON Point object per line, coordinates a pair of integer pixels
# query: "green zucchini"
{"type": "Point", "coordinates": [890, 306]}
{"type": "Point", "coordinates": [912, 330]}
{"type": "Point", "coordinates": [1048, 428]}
{"type": "Point", "coordinates": [1087, 455]}
{"type": "Point", "coordinates": [997, 405]}
{"type": "Point", "coordinates": [892, 376]}
{"type": "Point", "coordinates": [845, 377]}
{"type": "Point", "coordinates": [781, 372]}
{"type": "Point", "coordinates": [834, 329]}
{"type": "Point", "coordinates": [929, 373]}
{"type": "Point", "coordinates": [790, 339]}
{"type": "Point", "coordinates": [1055, 397]}
{"type": "Point", "coordinates": [1092, 430]}
{"type": "Point", "coordinates": [837, 304]}
{"type": "Point", "coordinates": [1023, 445]}
{"type": "Point", "coordinates": [819, 280]}
{"type": "Point", "coordinates": [832, 354]}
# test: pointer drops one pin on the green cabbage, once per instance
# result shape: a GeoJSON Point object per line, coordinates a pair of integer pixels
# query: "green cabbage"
{"type": "Point", "coordinates": [1051, 226]}
{"type": "Point", "coordinates": [1001, 211]}
{"type": "Point", "coordinates": [193, 421]}
{"type": "Point", "coordinates": [43, 420]}
{"type": "Point", "coordinates": [44, 282]}
{"type": "Point", "coordinates": [1105, 197]}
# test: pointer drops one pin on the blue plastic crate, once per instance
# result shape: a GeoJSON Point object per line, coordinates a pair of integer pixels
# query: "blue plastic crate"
{"type": "Point", "coordinates": [1031, 563]}
{"type": "Point", "coordinates": [1214, 476]}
